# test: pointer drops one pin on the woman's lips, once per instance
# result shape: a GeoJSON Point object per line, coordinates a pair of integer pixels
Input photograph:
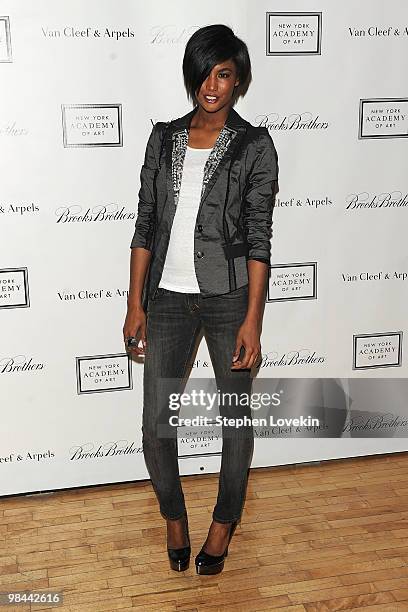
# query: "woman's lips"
{"type": "Point", "coordinates": [211, 99]}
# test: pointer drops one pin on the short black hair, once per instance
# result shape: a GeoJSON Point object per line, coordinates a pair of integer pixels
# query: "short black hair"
{"type": "Point", "coordinates": [213, 45]}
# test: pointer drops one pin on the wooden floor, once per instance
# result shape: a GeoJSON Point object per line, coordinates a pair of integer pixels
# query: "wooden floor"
{"type": "Point", "coordinates": [319, 537]}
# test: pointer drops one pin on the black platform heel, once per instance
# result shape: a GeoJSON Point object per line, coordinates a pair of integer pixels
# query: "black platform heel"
{"type": "Point", "coordinates": [213, 564]}
{"type": "Point", "coordinates": [180, 557]}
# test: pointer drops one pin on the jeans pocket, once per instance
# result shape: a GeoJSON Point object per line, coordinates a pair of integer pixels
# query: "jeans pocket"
{"type": "Point", "coordinates": [160, 291]}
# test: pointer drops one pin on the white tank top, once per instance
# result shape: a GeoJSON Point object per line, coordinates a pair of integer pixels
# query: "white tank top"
{"type": "Point", "coordinates": [178, 271]}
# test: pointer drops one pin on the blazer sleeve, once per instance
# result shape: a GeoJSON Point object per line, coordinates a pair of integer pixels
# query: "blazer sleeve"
{"type": "Point", "coordinates": [146, 212]}
{"type": "Point", "coordinates": [259, 198]}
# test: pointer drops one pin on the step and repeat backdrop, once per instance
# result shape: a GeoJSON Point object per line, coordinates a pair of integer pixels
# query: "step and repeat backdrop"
{"type": "Point", "coordinates": [82, 84]}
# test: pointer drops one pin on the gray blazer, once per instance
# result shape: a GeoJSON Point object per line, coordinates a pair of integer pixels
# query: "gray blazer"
{"type": "Point", "coordinates": [234, 219]}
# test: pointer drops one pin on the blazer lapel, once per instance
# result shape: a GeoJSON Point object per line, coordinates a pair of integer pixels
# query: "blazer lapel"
{"type": "Point", "coordinates": [176, 145]}
{"type": "Point", "coordinates": [224, 148]}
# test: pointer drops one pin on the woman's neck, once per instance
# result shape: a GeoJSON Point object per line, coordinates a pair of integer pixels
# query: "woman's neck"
{"type": "Point", "coordinates": [210, 121]}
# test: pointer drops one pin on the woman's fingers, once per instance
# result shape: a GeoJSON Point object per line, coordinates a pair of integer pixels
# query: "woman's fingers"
{"type": "Point", "coordinates": [250, 356]}
{"type": "Point", "coordinates": [141, 345]}
{"type": "Point", "coordinates": [136, 329]}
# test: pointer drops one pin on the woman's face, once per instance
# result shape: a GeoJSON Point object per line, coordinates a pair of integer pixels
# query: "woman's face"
{"type": "Point", "coordinates": [217, 89]}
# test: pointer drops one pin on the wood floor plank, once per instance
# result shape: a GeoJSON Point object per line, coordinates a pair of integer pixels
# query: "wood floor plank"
{"type": "Point", "coordinates": [321, 537]}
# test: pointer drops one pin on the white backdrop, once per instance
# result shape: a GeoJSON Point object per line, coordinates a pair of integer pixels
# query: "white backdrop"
{"type": "Point", "coordinates": [329, 81]}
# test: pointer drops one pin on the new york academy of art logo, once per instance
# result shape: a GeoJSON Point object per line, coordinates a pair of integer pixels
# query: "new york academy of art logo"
{"type": "Point", "coordinates": [292, 281]}
{"type": "Point", "coordinates": [14, 290]}
{"type": "Point", "coordinates": [102, 373]}
{"type": "Point", "coordinates": [383, 118]}
{"type": "Point", "coordinates": [293, 33]}
{"type": "Point", "coordinates": [5, 40]}
{"type": "Point", "coordinates": [92, 125]}
{"type": "Point", "coordinates": [377, 350]}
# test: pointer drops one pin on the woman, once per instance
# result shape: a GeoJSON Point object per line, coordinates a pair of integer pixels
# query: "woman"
{"type": "Point", "coordinates": [199, 261]}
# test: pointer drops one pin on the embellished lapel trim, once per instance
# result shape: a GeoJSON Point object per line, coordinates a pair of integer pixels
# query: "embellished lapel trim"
{"type": "Point", "coordinates": [179, 148]}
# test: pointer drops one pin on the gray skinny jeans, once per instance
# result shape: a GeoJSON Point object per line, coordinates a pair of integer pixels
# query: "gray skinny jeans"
{"type": "Point", "coordinates": [174, 322]}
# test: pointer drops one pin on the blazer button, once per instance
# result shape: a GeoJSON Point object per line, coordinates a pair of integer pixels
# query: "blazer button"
{"type": "Point", "coordinates": [200, 228]}
{"type": "Point", "coordinates": [200, 254]}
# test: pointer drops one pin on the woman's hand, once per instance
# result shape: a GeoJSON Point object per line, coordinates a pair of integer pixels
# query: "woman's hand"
{"type": "Point", "coordinates": [135, 325]}
{"type": "Point", "coordinates": [248, 336]}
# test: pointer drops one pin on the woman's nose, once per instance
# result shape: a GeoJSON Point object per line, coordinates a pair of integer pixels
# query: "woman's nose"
{"type": "Point", "coordinates": [212, 83]}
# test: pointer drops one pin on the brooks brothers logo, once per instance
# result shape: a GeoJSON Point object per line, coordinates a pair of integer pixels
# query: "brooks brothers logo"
{"type": "Point", "coordinates": [88, 32]}
{"type": "Point", "coordinates": [303, 120]}
{"type": "Point", "coordinates": [171, 34]}
{"type": "Point", "coordinates": [100, 373]}
{"type": "Point", "coordinates": [17, 364]}
{"type": "Point", "coordinates": [92, 450]}
{"type": "Point", "coordinates": [5, 40]}
{"type": "Point", "coordinates": [384, 199]}
{"type": "Point", "coordinates": [92, 125]}
{"type": "Point", "coordinates": [14, 291]}
{"type": "Point", "coordinates": [383, 118]}
{"type": "Point", "coordinates": [292, 281]}
{"type": "Point", "coordinates": [383, 350]}
{"type": "Point", "coordinates": [12, 130]}
{"type": "Point", "coordinates": [294, 357]}
{"type": "Point", "coordinates": [75, 213]}
{"type": "Point", "coordinates": [293, 33]}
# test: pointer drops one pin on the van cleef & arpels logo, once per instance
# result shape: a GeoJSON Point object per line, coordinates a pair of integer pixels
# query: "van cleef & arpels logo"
{"type": "Point", "coordinates": [374, 277]}
{"type": "Point", "coordinates": [95, 295]}
{"type": "Point", "coordinates": [375, 32]}
{"type": "Point", "coordinates": [73, 33]}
